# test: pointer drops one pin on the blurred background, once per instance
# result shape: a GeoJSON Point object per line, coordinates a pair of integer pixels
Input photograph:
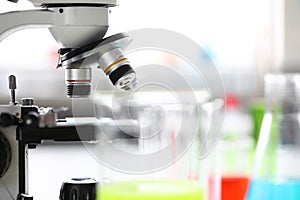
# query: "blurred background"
{"type": "Point", "coordinates": [245, 40]}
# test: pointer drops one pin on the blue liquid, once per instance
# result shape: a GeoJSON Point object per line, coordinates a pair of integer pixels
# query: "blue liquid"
{"type": "Point", "coordinates": [274, 190]}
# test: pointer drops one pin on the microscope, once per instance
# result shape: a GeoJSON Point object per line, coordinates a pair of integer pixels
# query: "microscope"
{"type": "Point", "coordinates": [79, 26]}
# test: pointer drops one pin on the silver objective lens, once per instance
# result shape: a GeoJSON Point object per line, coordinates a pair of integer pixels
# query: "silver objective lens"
{"type": "Point", "coordinates": [118, 69]}
{"type": "Point", "coordinates": [78, 82]}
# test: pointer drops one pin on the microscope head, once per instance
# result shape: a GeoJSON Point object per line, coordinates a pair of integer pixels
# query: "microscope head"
{"type": "Point", "coordinates": [78, 22]}
{"type": "Point", "coordinates": [79, 26]}
{"type": "Point", "coordinates": [76, 27]}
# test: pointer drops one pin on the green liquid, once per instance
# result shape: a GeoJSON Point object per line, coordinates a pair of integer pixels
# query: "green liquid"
{"type": "Point", "coordinates": [152, 190]}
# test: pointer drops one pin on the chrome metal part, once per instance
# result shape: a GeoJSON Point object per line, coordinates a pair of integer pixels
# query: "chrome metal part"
{"type": "Point", "coordinates": [78, 82]}
{"type": "Point", "coordinates": [78, 75]}
{"type": "Point", "coordinates": [47, 117]}
{"type": "Point", "coordinates": [112, 59]}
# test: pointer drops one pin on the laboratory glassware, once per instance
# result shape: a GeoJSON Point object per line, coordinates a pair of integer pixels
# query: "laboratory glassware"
{"type": "Point", "coordinates": [276, 173]}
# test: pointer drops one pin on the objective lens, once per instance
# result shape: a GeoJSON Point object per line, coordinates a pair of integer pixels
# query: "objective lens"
{"type": "Point", "coordinates": [78, 91]}
{"type": "Point", "coordinates": [118, 69]}
{"type": "Point", "coordinates": [78, 82]}
{"type": "Point", "coordinates": [123, 77]}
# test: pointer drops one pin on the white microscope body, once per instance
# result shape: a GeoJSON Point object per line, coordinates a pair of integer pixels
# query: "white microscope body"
{"type": "Point", "coordinates": [79, 27]}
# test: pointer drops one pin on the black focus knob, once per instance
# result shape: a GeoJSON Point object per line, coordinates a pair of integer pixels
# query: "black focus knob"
{"type": "Point", "coordinates": [7, 119]}
{"type": "Point", "coordinates": [78, 189]}
{"type": "Point", "coordinates": [5, 155]}
{"type": "Point", "coordinates": [31, 119]}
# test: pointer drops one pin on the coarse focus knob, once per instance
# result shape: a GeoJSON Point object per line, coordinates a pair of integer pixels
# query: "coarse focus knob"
{"type": "Point", "coordinates": [78, 189]}
{"type": "Point", "coordinates": [7, 119]}
{"type": "Point", "coordinates": [31, 119]}
{"type": "Point", "coordinates": [5, 155]}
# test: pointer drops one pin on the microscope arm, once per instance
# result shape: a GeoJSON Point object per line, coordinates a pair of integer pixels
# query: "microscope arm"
{"type": "Point", "coordinates": [18, 20]}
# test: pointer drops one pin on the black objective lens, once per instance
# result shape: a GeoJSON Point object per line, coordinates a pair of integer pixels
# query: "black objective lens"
{"type": "Point", "coordinates": [123, 77]}
{"type": "Point", "coordinates": [120, 72]}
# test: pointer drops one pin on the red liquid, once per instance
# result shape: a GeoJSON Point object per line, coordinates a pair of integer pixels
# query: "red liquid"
{"type": "Point", "coordinates": [234, 188]}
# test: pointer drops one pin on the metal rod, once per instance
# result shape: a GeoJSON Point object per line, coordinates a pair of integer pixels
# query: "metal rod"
{"type": "Point", "coordinates": [22, 167]}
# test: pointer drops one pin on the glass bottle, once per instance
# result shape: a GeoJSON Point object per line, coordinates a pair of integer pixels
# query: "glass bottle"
{"type": "Point", "coordinates": [158, 161]}
{"type": "Point", "coordinates": [277, 162]}
{"type": "Point", "coordinates": [235, 150]}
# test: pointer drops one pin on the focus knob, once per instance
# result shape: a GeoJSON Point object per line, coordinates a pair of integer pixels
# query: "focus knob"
{"type": "Point", "coordinates": [31, 119]}
{"type": "Point", "coordinates": [5, 155]}
{"type": "Point", "coordinates": [78, 189]}
{"type": "Point", "coordinates": [6, 119]}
